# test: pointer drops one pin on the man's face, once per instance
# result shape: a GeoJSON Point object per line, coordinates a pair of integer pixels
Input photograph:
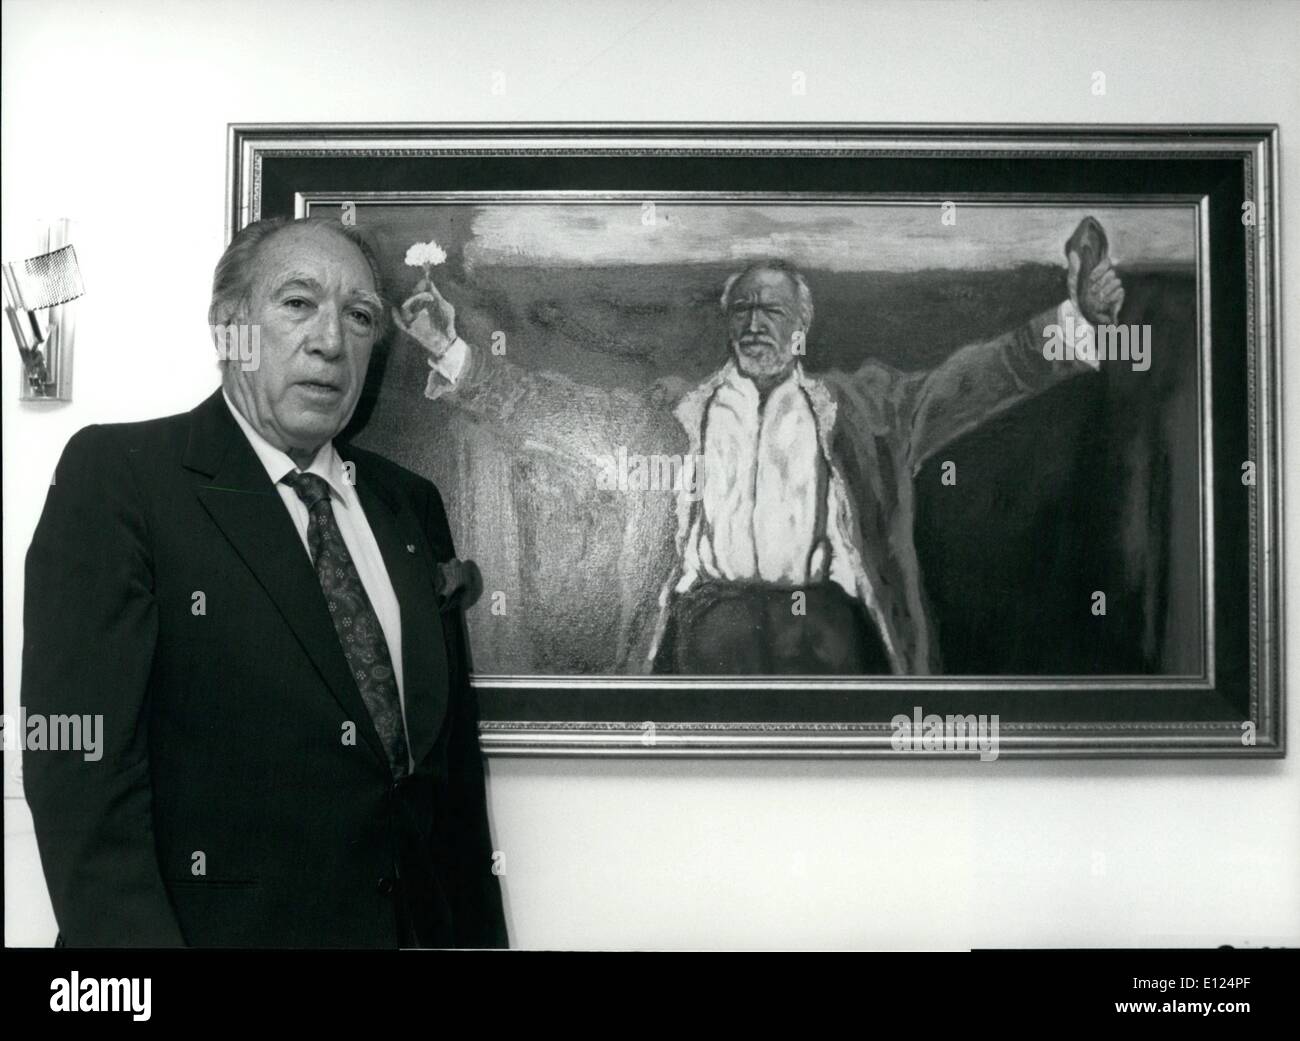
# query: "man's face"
{"type": "Point", "coordinates": [762, 320]}
{"type": "Point", "coordinates": [313, 296]}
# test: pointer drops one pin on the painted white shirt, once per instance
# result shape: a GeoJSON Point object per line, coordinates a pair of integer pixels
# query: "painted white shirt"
{"type": "Point", "coordinates": [757, 520]}
{"type": "Point", "coordinates": [353, 526]}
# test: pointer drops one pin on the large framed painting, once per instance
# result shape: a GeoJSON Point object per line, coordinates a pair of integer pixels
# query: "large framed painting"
{"type": "Point", "coordinates": [841, 440]}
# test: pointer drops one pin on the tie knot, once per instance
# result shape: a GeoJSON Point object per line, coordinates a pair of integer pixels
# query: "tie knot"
{"type": "Point", "coordinates": [311, 488]}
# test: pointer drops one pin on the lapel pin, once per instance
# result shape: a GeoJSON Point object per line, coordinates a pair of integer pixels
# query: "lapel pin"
{"type": "Point", "coordinates": [410, 547]}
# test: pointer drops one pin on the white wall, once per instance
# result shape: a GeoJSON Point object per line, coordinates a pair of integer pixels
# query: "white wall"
{"type": "Point", "coordinates": [646, 854]}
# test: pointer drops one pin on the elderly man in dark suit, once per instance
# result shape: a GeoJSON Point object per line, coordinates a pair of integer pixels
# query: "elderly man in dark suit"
{"type": "Point", "coordinates": [290, 751]}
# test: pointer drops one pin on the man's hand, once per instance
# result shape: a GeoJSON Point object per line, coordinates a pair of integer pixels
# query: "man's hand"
{"type": "Point", "coordinates": [1095, 289]}
{"type": "Point", "coordinates": [428, 319]}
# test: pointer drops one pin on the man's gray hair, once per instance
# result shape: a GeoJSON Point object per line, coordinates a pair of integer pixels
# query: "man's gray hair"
{"type": "Point", "coordinates": [790, 271]}
{"type": "Point", "coordinates": [232, 281]}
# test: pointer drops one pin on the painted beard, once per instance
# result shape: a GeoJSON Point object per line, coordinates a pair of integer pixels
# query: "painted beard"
{"type": "Point", "coordinates": [761, 359]}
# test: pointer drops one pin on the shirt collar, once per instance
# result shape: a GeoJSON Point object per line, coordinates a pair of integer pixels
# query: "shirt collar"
{"type": "Point", "coordinates": [327, 463]}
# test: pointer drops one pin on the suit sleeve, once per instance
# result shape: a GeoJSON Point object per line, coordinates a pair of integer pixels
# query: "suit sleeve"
{"type": "Point", "coordinates": [89, 632]}
{"type": "Point", "coordinates": [975, 383]}
{"type": "Point", "coordinates": [461, 830]}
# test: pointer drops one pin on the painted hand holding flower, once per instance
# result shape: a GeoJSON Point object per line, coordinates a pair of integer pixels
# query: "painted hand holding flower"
{"type": "Point", "coordinates": [425, 315]}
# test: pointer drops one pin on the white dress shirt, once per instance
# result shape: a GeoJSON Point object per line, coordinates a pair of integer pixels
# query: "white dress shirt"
{"type": "Point", "coordinates": [353, 526]}
{"type": "Point", "coordinates": [761, 489]}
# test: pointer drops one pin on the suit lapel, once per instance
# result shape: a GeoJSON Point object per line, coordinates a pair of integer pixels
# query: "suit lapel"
{"type": "Point", "coordinates": [249, 511]}
{"type": "Point", "coordinates": [410, 569]}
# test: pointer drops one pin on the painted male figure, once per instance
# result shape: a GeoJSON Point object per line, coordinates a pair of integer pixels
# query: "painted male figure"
{"type": "Point", "coordinates": [796, 555]}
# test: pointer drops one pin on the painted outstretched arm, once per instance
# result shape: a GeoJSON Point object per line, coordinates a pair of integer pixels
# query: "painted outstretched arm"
{"type": "Point", "coordinates": [519, 404]}
{"type": "Point", "coordinates": [983, 379]}
{"type": "Point", "coordinates": [570, 424]}
{"type": "Point", "coordinates": [455, 368]}
{"type": "Point", "coordinates": [573, 429]}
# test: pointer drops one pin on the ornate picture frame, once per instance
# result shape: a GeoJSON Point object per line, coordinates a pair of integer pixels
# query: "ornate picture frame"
{"type": "Point", "coordinates": [587, 250]}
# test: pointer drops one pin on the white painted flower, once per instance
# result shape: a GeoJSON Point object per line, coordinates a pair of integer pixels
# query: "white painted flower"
{"type": "Point", "coordinates": [425, 254]}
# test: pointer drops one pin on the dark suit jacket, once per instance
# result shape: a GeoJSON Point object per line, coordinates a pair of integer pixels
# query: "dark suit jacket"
{"type": "Point", "coordinates": [168, 591]}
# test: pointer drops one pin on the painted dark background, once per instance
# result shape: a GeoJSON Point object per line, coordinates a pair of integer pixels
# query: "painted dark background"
{"type": "Point", "coordinates": [1092, 486]}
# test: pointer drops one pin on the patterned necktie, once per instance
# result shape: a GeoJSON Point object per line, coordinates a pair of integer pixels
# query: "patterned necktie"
{"type": "Point", "coordinates": [354, 618]}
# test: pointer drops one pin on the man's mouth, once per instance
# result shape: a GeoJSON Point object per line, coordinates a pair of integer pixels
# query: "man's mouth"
{"type": "Point", "coordinates": [320, 388]}
{"type": "Point", "coordinates": [750, 346]}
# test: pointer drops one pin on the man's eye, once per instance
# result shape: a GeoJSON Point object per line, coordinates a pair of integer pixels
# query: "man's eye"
{"type": "Point", "coordinates": [295, 303]}
{"type": "Point", "coordinates": [363, 318]}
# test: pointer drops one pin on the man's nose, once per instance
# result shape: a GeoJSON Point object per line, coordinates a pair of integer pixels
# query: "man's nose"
{"type": "Point", "coordinates": [755, 323]}
{"type": "Point", "coordinates": [330, 331]}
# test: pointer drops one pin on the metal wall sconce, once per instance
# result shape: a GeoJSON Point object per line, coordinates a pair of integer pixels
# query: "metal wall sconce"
{"type": "Point", "coordinates": [37, 300]}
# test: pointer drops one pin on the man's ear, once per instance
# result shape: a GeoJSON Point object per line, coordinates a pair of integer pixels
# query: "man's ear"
{"type": "Point", "coordinates": [386, 323]}
{"type": "Point", "coordinates": [230, 312]}
{"type": "Point", "coordinates": [227, 314]}
{"type": "Point", "coordinates": [799, 341]}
